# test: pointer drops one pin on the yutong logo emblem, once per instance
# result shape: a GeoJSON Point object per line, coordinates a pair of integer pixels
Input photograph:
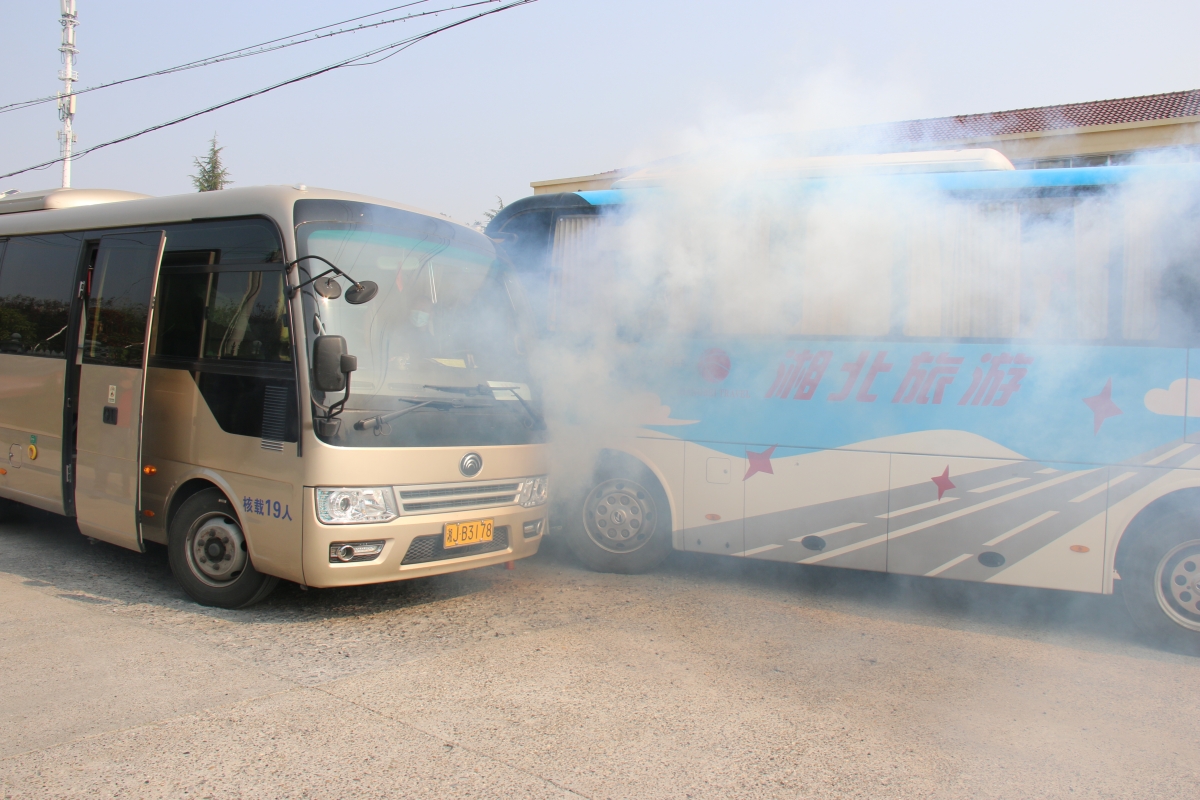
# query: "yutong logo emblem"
{"type": "Point", "coordinates": [471, 464]}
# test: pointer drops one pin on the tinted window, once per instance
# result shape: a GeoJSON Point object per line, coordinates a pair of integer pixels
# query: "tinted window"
{"type": "Point", "coordinates": [37, 282]}
{"type": "Point", "coordinates": [180, 316]}
{"type": "Point", "coordinates": [249, 406]}
{"type": "Point", "coordinates": [211, 305]}
{"type": "Point", "coordinates": [240, 316]}
{"type": "Point", "coordinates": [238, 241]}
{"type": "Point", "coordinates": [526, 239]}
{"type": "Point", "coordinates": [119, 299]}
{"type": "Point", "coordinates": [246, 317]}
{"type": "Point", "coordinates": [222, 314]}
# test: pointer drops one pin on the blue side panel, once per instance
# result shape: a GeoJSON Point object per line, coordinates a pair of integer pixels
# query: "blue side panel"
{"type": "Point", "coordinates": [604, 197]}
{"type": "Point", "coordinates": [1073, 177]}
{"type": "Point", "coordinates": [1077, 404]}
{"type": "Point", "coordinates": [989, 180]}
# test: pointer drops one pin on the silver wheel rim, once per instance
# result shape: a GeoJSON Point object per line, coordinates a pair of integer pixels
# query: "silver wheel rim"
{"type": "Point", "coordinates": [620, 516]}
{"type": "Point", "coordinates": [1177, 584]}
{"type": "Point", "coordinates": [216, 550]}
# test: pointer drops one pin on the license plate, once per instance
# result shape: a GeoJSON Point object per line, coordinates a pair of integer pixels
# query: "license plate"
{"type": "Point", "coordinates": [460, 534]}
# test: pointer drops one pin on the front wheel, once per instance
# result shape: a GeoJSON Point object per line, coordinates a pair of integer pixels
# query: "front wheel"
{"type": "Point", "coordinates": [208, 554]}
{"type": "Point", "coordinates": [626, 524]}
{"type": "Point", "coordinates": [1160, 582]}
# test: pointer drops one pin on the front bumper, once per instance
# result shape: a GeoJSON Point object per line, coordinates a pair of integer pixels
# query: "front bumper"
{"type": "Point", "coordinates": [398, 536]}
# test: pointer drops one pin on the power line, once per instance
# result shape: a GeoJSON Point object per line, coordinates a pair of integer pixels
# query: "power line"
{"type": "Point", "coordinates": [363, 59]}
{"type": "Point", "coordinates": [270, 46]}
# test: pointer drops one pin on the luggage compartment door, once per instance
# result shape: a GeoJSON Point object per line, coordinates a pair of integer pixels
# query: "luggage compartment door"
{"type": "Point", "coordinates": [112, 353]}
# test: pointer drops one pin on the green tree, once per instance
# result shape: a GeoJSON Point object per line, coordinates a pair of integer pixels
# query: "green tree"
{"type": "Point", "coordinates": [211, 174]}
{"type": "Point", "coordinates": [490, 215]}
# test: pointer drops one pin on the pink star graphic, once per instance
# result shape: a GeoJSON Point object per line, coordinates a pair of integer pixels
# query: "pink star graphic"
{"type": "Point", "coordinates": [1102, 406]}
{"type": "Point", "coordinates": [943, 482]}
{"type": "Point", "coordinates": [760, 462]}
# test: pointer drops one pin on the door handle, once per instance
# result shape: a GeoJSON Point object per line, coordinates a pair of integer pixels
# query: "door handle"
{"type": "Point", "coordinates": [110, 415]}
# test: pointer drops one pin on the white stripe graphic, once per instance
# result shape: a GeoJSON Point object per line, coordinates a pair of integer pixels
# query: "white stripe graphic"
{"type": "Point", "coordinates": [1047, 471]}
{"type": "Point", "coordinates": [1154, 462]}
{"type": "Point", "coordinates": [757, 550]}
{"type": "Point", "coordinates": [829, 531]}
{"type": "Point", "coordinates": [962, 512]}
{"type": "Point", "coordinates": [919, 507]}
{"type": "Point", "coordinates": [954, 562]}
{"type": "Point", "coordinates": [1090, 493]}
{"type": "Point", "coordinates": [1024, 526]}
{"type": "Point", "coordinates": [998, 485]}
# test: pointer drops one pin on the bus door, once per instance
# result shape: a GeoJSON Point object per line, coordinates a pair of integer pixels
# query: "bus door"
{"type": "Point", "coordinates": [112, 364]}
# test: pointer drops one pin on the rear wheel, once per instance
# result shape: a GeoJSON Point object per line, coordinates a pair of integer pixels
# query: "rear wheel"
{"type": "Point", "coordinates": [1160, 581]}
{"type": "Point", "coordinates": [208, 555]}
{"type": "Point", "coordinates": [626, 523]}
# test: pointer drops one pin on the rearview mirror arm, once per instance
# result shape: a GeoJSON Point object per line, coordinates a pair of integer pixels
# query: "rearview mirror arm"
{"type": "Point", "coordinates": [292, 290]}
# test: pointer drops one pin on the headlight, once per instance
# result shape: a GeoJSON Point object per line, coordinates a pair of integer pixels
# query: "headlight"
{"type": "Point", "coordinates": [356, 506]}
{"type": "Point", "coordinates": [534, 491]}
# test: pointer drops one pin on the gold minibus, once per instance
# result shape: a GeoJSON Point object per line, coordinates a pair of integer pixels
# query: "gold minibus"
{"type": "Point", "coordinates": [274, 382]}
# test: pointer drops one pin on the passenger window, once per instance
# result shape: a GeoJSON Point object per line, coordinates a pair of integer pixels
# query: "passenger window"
{"type": "Point", "coordinates": [37, 281]}
{"type": "Point", "coordinates": [1065, 250]}
{"type": "Point", "coordinates": [964, 271]}
{"type": "Point", "coordinates": [223, 315]}
{"type": "Point", "coordinates": [180, 314]}
{"type": "Point", "coordinates": [246, 317]}
{"type": "Point", "coordinates": [828, 272]}
{"type": "Point", "coordinates": [1160, 267]}
{"type": "Point", "coordinates": [119, 299]}
{"type": "Point", "coordinates": [846, 260]}
{"type": "Point", "coordinates": [238, 241]}
{"type": "Point", "coordinates": [213, 303]}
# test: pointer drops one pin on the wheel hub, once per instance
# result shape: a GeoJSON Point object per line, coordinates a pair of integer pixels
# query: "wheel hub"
{"type": "Point", "coordinates": [619, 516]}
{"type": "Point", "coordinates": [217, 550]}
{"type": "Point", "coordinates": [1177, 583]}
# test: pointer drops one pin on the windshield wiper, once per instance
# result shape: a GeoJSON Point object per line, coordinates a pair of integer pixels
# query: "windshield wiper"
{"type": "Point", "coordinates": [483, 390]}
{"type": "Point", "coordinates": [379, 420]}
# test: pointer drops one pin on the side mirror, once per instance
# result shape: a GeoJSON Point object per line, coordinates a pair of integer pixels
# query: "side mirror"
{"type": "Point", "coordinates": [362, 293]}
{"type": "Point", "coordinates": [331, 364]}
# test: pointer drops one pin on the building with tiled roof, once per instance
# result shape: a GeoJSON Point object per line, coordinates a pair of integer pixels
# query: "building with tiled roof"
{"type": "Point", "coordinates": [1076, 134]}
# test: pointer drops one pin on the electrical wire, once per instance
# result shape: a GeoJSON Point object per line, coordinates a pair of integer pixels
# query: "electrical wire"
{"type": "Point", "coordinates": [368, 58]}
{"type": "Point", "coordinates": [270, 46]}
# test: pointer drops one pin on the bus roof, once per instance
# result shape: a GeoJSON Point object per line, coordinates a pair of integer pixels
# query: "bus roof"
{"type": "Point", "coordinates": [991, 180]}
{"type": "Point", "coordinates": [112, 209]}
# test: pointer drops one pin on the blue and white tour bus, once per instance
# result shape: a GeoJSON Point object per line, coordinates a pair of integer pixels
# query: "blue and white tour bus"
{"type": "Point", "coordinates": [960, 371]}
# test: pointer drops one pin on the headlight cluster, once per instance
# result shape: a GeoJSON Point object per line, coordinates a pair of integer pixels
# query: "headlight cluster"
{"type": "Point", "coordinates": [355, 506]}
{"type": "Point", "coordinates": [534, 491]}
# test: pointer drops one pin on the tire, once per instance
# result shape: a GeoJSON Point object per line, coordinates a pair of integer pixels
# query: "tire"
{"type": "Point", "coordinates": [208, 555]}
{"type": "Point", "coordinates": [1160, 581]}
{"type": "Point", "coordinates": [622, 523]}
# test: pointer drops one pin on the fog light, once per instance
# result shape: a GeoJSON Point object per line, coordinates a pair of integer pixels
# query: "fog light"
{"type": "Point", "coordinates": [533, 528]}
{"type": "Point", "coordinates": [346, 552]}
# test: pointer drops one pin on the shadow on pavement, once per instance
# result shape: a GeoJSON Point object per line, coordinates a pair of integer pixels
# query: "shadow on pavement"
{"type": "Point", "coordinates": [48, 550]}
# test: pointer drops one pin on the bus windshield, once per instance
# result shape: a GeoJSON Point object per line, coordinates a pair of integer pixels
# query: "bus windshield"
{"type": "Point", "coordinates": [445, 336]}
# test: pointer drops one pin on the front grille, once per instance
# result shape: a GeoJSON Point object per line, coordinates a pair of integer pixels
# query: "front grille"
{"type": "Point", "coordinates": [448, 497]}
{"type": "Point", "coordinates": [429, 548]}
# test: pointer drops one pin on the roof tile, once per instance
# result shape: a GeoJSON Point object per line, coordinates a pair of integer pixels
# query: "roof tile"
{"type": "Point", "coordinates": [1149, 107]}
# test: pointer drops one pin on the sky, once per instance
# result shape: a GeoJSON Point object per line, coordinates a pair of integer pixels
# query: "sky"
{"type": "Point", "coordinates": [554, 89]}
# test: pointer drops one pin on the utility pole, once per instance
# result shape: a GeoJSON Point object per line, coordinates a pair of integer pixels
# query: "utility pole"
{"type": "Point", "coordinates": [66, 98]}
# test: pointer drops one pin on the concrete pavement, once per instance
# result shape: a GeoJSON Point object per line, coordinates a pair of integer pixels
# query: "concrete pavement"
{"type": "Point", "coordinates": [710, 678]}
